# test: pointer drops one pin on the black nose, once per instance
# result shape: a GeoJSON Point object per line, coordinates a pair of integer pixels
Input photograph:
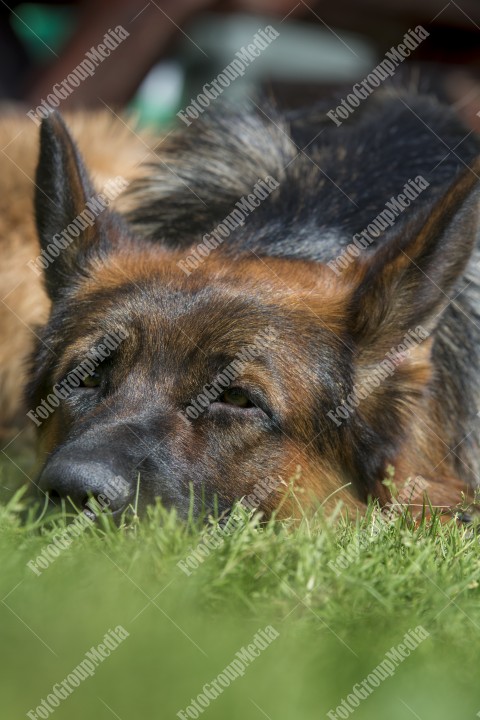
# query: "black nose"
{"type": "Point", "coordinates": [80, 481]}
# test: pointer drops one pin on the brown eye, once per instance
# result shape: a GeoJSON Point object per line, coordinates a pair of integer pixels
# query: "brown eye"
{"type": "Point", "coordinates": [91, 381]}
{"type": "Point", "coordinates": [236, 397]}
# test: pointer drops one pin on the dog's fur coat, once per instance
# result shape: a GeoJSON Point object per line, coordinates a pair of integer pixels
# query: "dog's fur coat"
{"type": "Point", "coordinates": [333, 329]}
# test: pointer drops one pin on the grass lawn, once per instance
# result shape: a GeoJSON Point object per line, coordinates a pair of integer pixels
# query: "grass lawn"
{"type": "Point", "coordinates": [336, 596]}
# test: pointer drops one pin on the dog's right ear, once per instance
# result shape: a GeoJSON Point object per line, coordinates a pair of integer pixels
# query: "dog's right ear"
{"type": "Point", "coordinates": [63, 188]}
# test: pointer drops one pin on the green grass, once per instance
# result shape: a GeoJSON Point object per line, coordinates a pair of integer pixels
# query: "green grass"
{"type": "Point", "coordinates": [334, 626]}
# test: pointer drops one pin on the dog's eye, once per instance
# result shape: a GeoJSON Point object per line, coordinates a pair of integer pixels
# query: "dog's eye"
{"type": "Point", "coordinates": [236, 397]}
{"type": "Point", "coordinates": [91, 381]}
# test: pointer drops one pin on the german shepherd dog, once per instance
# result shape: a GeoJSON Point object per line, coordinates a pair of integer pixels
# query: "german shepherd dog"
{"type": "Point", "coordinates": [285, 298]}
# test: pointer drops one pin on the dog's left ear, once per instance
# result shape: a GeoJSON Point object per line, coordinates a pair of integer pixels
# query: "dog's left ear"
{"type": "Point", "coordinates": [409, 281]}
{"type": "Point", "coordinates": [63, 188]}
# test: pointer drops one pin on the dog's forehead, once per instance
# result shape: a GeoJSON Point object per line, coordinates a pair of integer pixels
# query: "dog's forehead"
{"type": "Point", "coordinates": [160, 312]}
{"type": "Point", "coordinates": [221, 306]}
{"type": "Point", "coordinates": [159, 275]}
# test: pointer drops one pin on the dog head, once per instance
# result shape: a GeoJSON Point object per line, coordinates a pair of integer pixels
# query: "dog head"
{"type": "Point", "coordinates": [224, 383]}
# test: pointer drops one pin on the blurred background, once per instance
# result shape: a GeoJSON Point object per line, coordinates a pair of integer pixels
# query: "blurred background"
{"type": "Point", "coordinates": [175, 46]}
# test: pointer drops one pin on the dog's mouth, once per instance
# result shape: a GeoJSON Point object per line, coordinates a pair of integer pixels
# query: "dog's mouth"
{"type": "Point", "coordinates": [91, 510]}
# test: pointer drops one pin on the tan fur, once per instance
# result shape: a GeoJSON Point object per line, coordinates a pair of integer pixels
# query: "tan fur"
{"type": "Point", "coordinates": [111, 148]}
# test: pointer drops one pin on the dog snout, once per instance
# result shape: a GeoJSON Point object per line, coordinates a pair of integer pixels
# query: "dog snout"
{"type": "Point", "coordinates": [79, 481]}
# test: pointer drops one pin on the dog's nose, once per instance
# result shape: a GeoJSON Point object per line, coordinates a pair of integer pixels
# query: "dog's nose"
{"type": "Point", "coordinates": [81, 481]}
